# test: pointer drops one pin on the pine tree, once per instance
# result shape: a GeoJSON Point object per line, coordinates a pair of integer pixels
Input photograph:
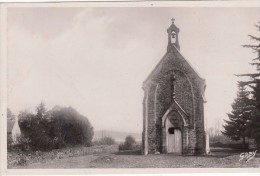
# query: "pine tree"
{"type": "Point", "coordinates": [240, 118]}
{"type": "Point", "coordinates": [256, 115]}
{"type": "Point", "coordinates": [41, 110]}
{"type": "Point", "coordinates": [254, 84]}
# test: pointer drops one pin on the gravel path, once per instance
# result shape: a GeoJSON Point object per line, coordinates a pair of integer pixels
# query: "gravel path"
{"type": "Point", "coordinates": [120, 160]}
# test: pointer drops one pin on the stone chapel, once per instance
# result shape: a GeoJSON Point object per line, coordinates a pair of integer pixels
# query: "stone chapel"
{"type": "Point", "coordinates": [173, 114]}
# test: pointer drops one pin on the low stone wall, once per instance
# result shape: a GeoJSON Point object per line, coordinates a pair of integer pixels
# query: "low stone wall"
{"type": "Point", "coordinates": [22, 158]}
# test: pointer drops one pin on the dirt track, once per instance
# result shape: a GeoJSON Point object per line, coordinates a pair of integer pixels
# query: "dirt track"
{"type": "Point", "coordinates": [135, 160]}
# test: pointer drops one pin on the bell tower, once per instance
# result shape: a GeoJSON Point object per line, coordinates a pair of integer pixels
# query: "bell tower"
{"type": "Point", "coordinates": [173, 36]}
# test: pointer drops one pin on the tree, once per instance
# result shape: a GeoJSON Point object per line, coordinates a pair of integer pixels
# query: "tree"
{"type": "Point", "coordinates": [56, 128]}
{"type": "Point", "coordinates": [129, 142]}
{"type": "Point", "coordinates": [254, 84]}
{"type": "Point", "coordinates": [29, 125]}
{"type": "Point", "coordinates": [240, 118]}
{"type": "Point", "coordinates": [256, 114]}
{"type": "Point", "coordinates": [41, 110]}
{"type": "Point", "coordinates": [70, 127]}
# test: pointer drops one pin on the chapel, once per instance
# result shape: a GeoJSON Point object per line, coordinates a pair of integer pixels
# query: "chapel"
{"type": "Point", "coordinates": [173, 105]}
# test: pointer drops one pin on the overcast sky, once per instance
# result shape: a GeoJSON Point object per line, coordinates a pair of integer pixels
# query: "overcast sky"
{"type": "Point", "coordinates": [95, 59]}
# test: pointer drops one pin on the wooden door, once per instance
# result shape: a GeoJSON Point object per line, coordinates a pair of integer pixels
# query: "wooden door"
{"type": "Point", "coordinates": [171, 143]}
{"type": "Point", "coordinates": [177, 141]}
{"type": "Point", "coordinates": [174, 141]}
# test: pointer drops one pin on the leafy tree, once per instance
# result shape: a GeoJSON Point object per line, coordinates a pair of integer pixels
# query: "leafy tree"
{"type": "Point", "coordinates": [129, 144]}
{"type": "Point", "coordinates": [129, 141]}
{"type": "Point", "coordinates": [33, 130]}
{"type": "Point", "coordinates": [56, 128]}
{"type": "Point", "coordinates": [69, 127]}
{"type": "Point", "coordinates": [240, 119]}
{"type": "Point", "coordinates": [254, 84]}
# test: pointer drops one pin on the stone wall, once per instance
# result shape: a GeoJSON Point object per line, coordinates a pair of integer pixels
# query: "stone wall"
{"type": "Point", "coordinates": [163, 102]}
{"type": "Point", "coordinates": [200, 130]}
{"type": "Point", "coordinates": [151, 121]}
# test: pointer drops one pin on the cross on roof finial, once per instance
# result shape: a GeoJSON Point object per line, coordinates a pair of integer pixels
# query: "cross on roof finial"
{"type": "Point", "coordinates": [173, 20]}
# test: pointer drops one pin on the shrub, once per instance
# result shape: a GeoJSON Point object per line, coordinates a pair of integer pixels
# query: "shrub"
{"type": "Point", "coordinates": [70, 128]}
{"type": "Point", "coordinates": [105, 141]}
{"type": "Point", "coordinates": [129, 141]}
{"type": "Point", "coordinates": [122, 147]}
{"type": "Point", "coordinates": [57, 128]}
{"type": "Point", "coordinates": [129, 144]}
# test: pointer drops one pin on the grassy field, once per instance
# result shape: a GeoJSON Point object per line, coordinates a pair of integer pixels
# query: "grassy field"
{"type": "Point", "coordinates": [133, 159]}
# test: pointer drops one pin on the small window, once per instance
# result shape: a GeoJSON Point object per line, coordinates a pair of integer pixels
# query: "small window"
{"type": "Point", "coordinates": [171, 130]}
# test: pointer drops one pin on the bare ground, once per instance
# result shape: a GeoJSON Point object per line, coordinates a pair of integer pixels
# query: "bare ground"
{"type": "Point", "coordinates": [132, 159]}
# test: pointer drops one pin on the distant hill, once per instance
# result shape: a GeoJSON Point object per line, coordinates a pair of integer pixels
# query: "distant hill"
{"type": "Point", "coordinates": [117, 135]}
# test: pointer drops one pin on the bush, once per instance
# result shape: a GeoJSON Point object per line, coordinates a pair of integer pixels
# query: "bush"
{"type": "Point", "coordinates": [57, 128]}
{"type": "Point", "coordinates": [105, 141]}
{"type": "Point", "coordinates": [129, 141]}
{"type": "Point", "coordinates": [129, 144]}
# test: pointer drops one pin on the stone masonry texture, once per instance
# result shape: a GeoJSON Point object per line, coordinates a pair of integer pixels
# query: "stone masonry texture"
{"type": "Point", "coordinates": [189, 89]}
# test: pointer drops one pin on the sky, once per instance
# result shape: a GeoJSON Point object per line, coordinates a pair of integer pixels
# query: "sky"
{"type": "Point", "coordinates": [96, 59]}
